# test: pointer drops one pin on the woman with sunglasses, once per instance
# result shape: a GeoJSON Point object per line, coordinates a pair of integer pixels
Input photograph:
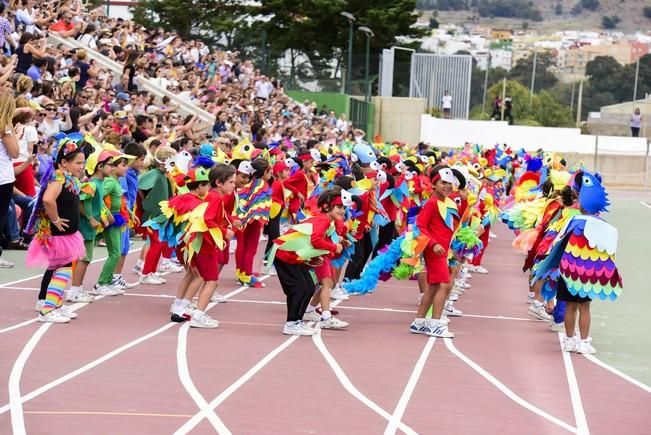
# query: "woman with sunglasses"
{"type": "Point", "coordinates": [51, 122]}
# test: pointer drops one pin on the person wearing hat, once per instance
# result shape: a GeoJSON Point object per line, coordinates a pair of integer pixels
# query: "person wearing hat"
{"type": "Point", "coordinates": [118, 219]}
{"type": "Point", "coordinates": [93, 218]}
{"type": "Point", "coordinates": [120, 123]}
{"type": "Point", "coordinates": [121, 103]}
{"type": "Point", "coordinates": [298, 182]}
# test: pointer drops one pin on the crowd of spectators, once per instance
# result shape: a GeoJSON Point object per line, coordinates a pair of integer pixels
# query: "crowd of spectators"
{"type": "Point", "coordinates": [57, 90]}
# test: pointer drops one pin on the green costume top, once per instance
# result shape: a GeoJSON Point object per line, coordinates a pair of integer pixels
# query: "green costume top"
{"type": "Point", "coordinates": [157, 188]}
{"type": "Point", "coordinates": [92, 201]}
{"type": "Point", "coordinates": [113, 190]}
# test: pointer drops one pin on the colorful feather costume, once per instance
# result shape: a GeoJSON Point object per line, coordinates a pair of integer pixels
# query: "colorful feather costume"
{"type": "Point", "coordinates": [254, 202]}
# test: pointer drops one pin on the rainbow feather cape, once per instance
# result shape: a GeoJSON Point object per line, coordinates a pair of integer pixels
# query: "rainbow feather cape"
{"type": "Point", "coordinates": [254, 202]}
{"type": "Point", "coordinates": [583, 255]}
{"type": "Point", "coordinates": [299, 240]}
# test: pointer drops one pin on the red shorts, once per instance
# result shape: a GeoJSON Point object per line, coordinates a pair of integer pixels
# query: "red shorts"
{"type": "Point", "coordinates": [180, 256]}
{"type": "Point", "coordinates": [325, 270]}
{"type": "Point", "coordinates": [206, 265]}
{"type": "Point", "coordinates": [225, 253]}
{"type": "Point", "coordinates": [437, 268]}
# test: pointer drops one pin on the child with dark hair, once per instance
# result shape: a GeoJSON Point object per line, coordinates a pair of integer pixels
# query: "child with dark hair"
{"type": "Point", "coordinates": [58, 243]}
{"type": "Point", "coordinates": [295, 257]}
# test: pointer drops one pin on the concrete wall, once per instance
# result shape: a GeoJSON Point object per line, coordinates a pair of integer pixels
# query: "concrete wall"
{"type": "Point", "coordinates": [399, 118]}
{"type": "Point", "coordinates": [621, 160]}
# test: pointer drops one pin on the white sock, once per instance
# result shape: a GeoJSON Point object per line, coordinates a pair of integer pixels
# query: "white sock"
{"type": "Point", "coordinates": [75, 289]}
{"type": "Point", "coordinates": [186, 302]}
{"type": "Point", "coordinates": [419, 321]}
{"type": "Point", "coordinates": [177, 301]}
{"type": "Point", "coordinates": [326, 314]}
{"type": "Point", "coordinates": [140, 263]}
{"type": "Point", "coordinates": [310, 308]}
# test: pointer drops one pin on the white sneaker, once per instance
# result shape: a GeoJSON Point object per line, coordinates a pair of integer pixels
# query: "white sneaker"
{"type": "Point", "coordinates": [569, 344]}
{"type": "Point", "coordinates": [53, 317]}
{"type": "Point", "coordinates": [462, 284]}
{"type": "Point", "coordinates": [471, 268]}
{"type": "Point", "coordinates": [298, 328]}
{"type": "Point", "coordinates": [333, 323]}
{"type": "Point", "coordinates": [160, 277]}
{"type": "Point", "coordinates": [233, 246]}
{"type": "Point", "coordinates": [557, 327]}
{"type": "Point", "coordinates": [450, 311]}
{"type": "Point", "coordinates": [585, 347]}
{"type": "Point", "coordinates": [481, 269]}
{"type": "Point", "coordinates": [538, 311]}
{"type": "Point", "coordinates": [453, 297]}
{"type": "Point", "coordinates": [67, 312]}
{"type": "Point", "coordinates": [312, 316]}
{"type": "Point", "coordinates": [339, 294]}
{"type": "Point", "coordinates": [150, 279]}
{"type": "Point", "coordinates": [492, 235]}
{"type": "Point", "coordinates": [39, 305]}
{"type": "Point", "coordinates": [202, 320]}
{"type": "Point", "coordinates": [82, 297]}
{"type": "Point", "coordinates": [168, 266]}
{"type": "Point", "coordinates": [119, 281]}
{"type": "Point", "coordinates": [218, 298]}
{"type": "Point", "coordinates": [103, 290]}
{"type": "Point", "coordinates": [4, 264]}
{"type": "Point", "coordinates": [264, 238]}
{"type": "Point", "coordinates": [439, 330]}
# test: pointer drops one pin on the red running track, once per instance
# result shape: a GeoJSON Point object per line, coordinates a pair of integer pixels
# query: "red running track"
{"type": "Point", "coordinates": [121, 368]}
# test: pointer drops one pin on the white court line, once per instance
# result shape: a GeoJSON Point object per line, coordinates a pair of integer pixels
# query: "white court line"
{"type": "Point", "coordinates": [184, 371]}
{"type": "Point", "coordinates": [348, 385]}
{"type": "Point", "coordinates": [6, 284]}
{"type": "Point", "coordinates": [37, 392]}
{"type": "Point", "coordinates": [575, 394]}
{"type": "Point", "coordinates": [30, 321]}
{"type": "Point", "coordinates": [186, 381]}
{"type": "Point", "coordinates": [15, 403]}
{"type": "Point", "coordinates": [508, 392]}
{"type": "Point", "coordinates": [645, 204]}
{"type": "Point", "coordinates": [614, 371]}
{"type": "Point", "coordinates": [20, 288]}
{"type": "Point", "coordinates": [399, 411]}
{"type": "Point", "coordinates": [196, 419]}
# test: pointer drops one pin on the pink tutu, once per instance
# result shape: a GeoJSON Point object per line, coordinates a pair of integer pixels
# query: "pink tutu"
{"type": "Point", "coordinates": [60, 251]}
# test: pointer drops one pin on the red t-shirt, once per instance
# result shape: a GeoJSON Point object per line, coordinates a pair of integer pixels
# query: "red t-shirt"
{"type": "Point", "coordinates": [431, 224]}
{"type": "Point", "coordinates": [61, 25]}
{"type": "Point", "coordinates": [26, 181]}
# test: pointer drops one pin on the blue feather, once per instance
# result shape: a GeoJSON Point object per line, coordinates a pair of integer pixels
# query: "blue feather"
{"type": "Point", "coordinates": [380, 264]}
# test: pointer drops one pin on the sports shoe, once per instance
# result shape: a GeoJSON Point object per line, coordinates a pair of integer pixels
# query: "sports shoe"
{"type": "Point", "coordinates": [103, 290]}
{"type": "Point", "coordinates": [150, 279]}
{"type": "Point", "coordinates": [178, 313]}
{"type": "Point", "coordinates": [462, 284]}
{"type": "Point", "coordinates": [4, 264]}
{"type": "Point", "coordinates": [481, 269]}
{"type": "Point", "coordinates": [585, 347]}
{"type": "Point", "coordinates": [202, 320]}
{"type": "Point", "coordinates": [414, 328]}
{"type": "Point", "coordinates": [569, 344]}
{"type": "Point", "coordinates": [67, 312]}
{"type": "Point", "coordinates": [339, 294]}
{"type": "Point", "coordinates": [39, 305]}
{"type": "Point", "coordinates": [264, 238]}
{"type": "Point", "coordinates": [53, 316]}
{"type": "Point", "coordinates": [298, 328]}
{"type": "Point", "coordinates": [333, 323]}
{"type": "Point", "coordinates": [454, 296]}
{"type": "Point", "coordinates": [312, 316]}
{"type": "Point", "coordinates": [539, 312]}
{"type": "Point", "coordinates": [169, 266]}
{"type": "Point", "coordinates": [557, 327]}
{"type": "Point", "coordinates": [120, 282]}
{"type": "Point", "coordinates": [492, 235]}
{"type": "Point", "coordinates": [439, 330]}
{"type": "Point", "coordinates": [334, 312]}
{"type": "Point", "coordinates": [256, 283]}
{"type": "Point", "coordinates": [218, 298]}
{"type": "Point", "coordinates": [450, 311]}
{"type": "Point", "coordinates": [233, 246]}
{"type": "Point", "coordinates": [160, 277]}
{"type": "Point", "coordinates": [82, 297]}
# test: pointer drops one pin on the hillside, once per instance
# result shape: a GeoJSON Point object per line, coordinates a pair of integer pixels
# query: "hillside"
{"type": "Point", "coordinates": [629, 12]}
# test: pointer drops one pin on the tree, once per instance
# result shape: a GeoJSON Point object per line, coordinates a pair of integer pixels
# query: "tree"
{"type": "Point", "coordinates": [209, 20]}
{"type": "Point", "coordinates": [591, 5]}
{"type": "Point", "coordinates": [558, 10]}
{"type": "Point", "coordinates": [433, 23]}
{"type": "Point", "coordinates": [609, 22]}
{"type": "Point", "coordinates": [523, 69]}
{"type": "Point", "coordinates": [647, 11]}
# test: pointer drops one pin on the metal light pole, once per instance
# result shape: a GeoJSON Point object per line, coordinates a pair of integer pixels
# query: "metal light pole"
{"type": "Point", "coordinates": [637, 72]}
{"type": "Point", "coordinates": [483, 98]}
{"type": "Point", "coordinates": [533, 75]}
{"type": "Point", "coordinates": [578, 105]}
{"type": "Point", "coordinates": [349, 69]}
{"type": "Point", "coordinates": [369, 35]}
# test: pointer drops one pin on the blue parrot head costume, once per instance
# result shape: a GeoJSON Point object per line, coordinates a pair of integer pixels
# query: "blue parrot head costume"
{"type": "Point", "coordinates": [593, 197]}
{"type": "Point", "coordinates": [364, 153]}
